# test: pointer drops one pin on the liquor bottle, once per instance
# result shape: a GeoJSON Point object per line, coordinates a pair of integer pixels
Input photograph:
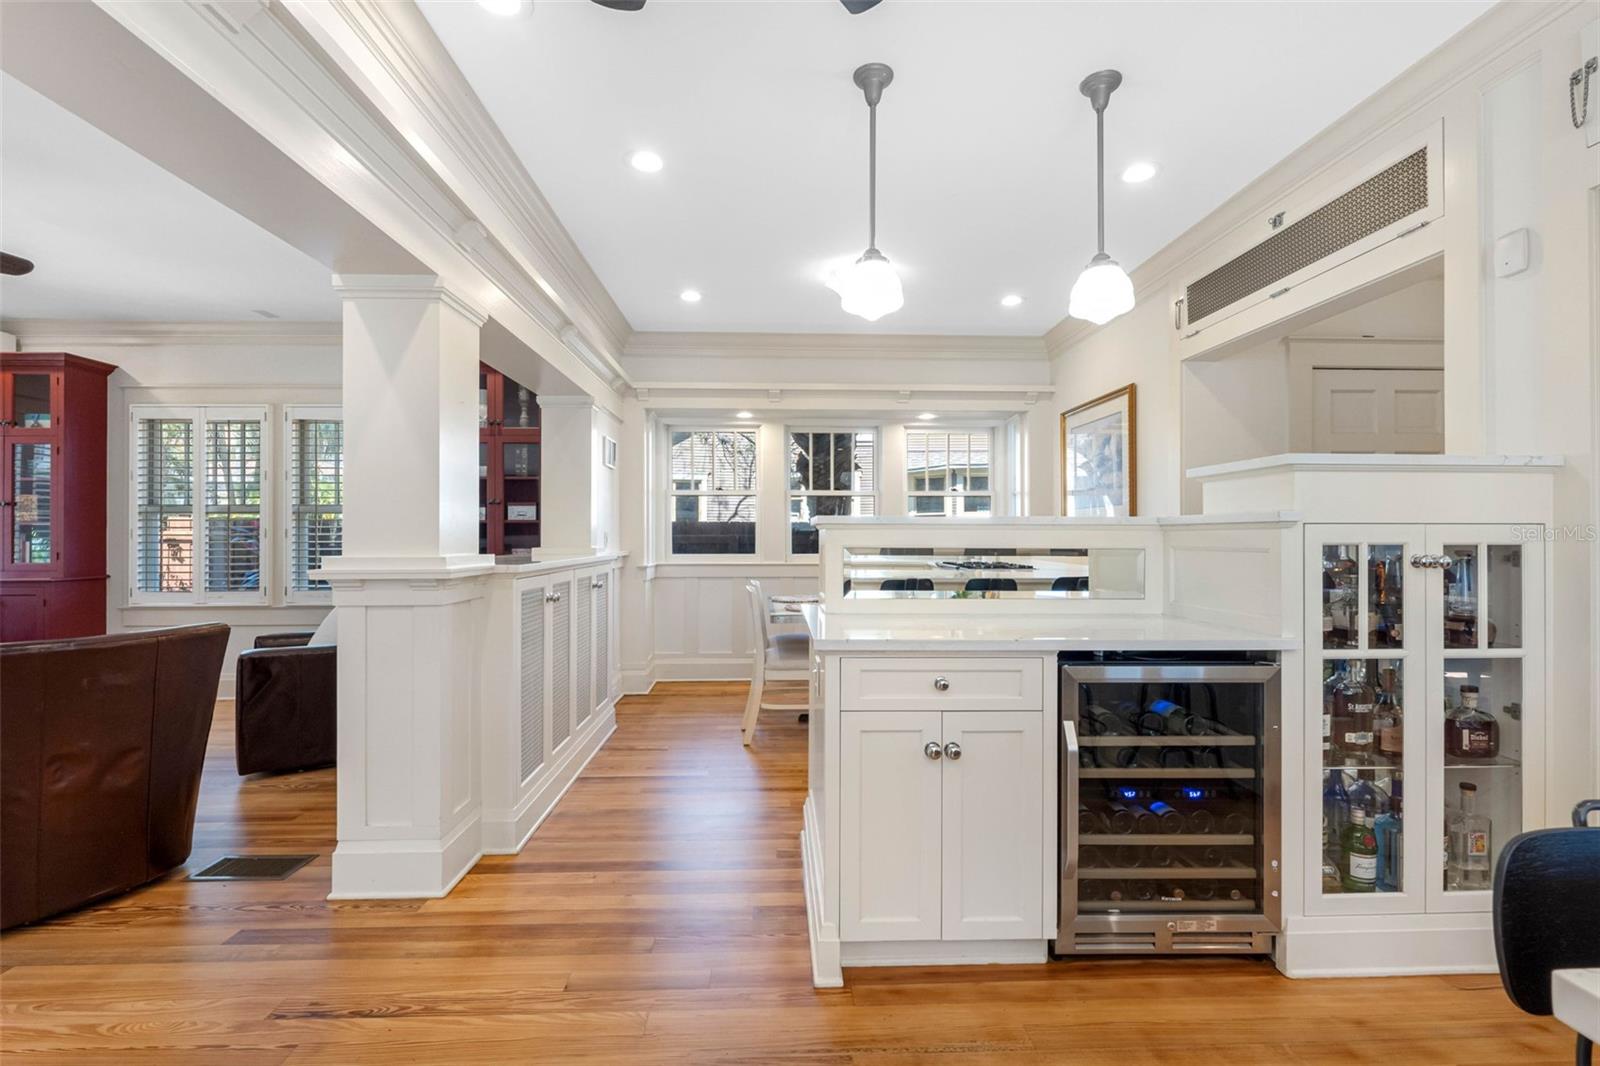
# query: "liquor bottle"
{"type": "Point", "coordinates": [1389, 830]}
{"type": "Point", "coordinates": [1387, 722]}
{"type": "Point", "coordinates": [1169, 818]}
{"type": "Point", "coordinates": [1471, 732]}
{"type": "Point", "coordinates": [1337, 692]}
{"type": "Point", "coordinates": [1358, 855]}
{"type": "Point", "coordinates": [1335, 808]}
{"type": "Point", "coordinates": [1352, 732]}
{"type": "Point", "coordinates": [1366, 794]}
{"type": "Point", "coordinates": [1470, 835]}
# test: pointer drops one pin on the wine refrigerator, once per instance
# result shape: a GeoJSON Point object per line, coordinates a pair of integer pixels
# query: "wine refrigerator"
{"type": "Point", "coordinates": [1170, 803]}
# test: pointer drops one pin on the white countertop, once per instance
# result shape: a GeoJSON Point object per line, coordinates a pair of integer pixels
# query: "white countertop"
{"type": "Point", "coordinates": [541, 562]}
{"type": "Point", "coordinates": [1575, 1000]}
{"type": "Point", "coordinates": [1327, 461]}
{"type": "Point", "coordinates": [862, 631]}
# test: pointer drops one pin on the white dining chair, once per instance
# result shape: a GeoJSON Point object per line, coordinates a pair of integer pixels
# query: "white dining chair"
{"type": "Point", "coordinates": [778, 657]}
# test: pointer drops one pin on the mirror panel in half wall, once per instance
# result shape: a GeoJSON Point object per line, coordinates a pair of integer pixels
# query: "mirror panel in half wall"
{"type": "Point", "coordinates": [913, 573]}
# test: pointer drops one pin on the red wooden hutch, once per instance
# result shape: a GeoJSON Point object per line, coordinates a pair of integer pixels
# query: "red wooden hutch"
{"type": "Point", "coordinates": [508, 464]}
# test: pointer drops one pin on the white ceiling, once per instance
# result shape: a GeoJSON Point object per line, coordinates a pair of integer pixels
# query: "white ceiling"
{"type": "Point", "coordinates": [115, 237]}
{"type": "Point", "coordinates": [986, 164]}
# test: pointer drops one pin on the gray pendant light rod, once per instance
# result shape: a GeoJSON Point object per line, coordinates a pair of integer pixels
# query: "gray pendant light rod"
{"type": "Point", "coordinates": [1098, 87]}
{"type": "Point", "coordinates": [872, 79]}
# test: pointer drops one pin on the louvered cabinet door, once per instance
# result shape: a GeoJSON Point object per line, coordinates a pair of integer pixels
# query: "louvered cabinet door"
{"type": "Point", "coordinates": [560, 662]}
{"type": "Point", "coordinates": [534, 640]}
{"type": "Point", "coordinates": [583, 651]}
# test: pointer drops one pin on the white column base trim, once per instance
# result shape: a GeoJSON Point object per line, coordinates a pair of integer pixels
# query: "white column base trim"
{"type": "Point", "coordinates": [506, 832]}
{"type": "Point", "coordinates": [943, 952]}
{"type": "Point", "coordinates": [1389, 945]}
{"type": "Point", "coordinates": [638, 680]}
{"type": "Point", "coordinates": [825, 968]}
{"type": "Point", "coordinates": [407, 869]}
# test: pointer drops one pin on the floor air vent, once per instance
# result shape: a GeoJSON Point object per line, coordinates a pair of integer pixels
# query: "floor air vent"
{"type": "Point", "coordinates": [1381, 200]}
{"type": "Point", "coordinates": [252, 868]}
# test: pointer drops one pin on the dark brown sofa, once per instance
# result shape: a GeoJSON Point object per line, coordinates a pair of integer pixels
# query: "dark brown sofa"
{"type": "Point", "coordinates": [102, 740]}
{"type": "Point", "coordinates": [285, 704]}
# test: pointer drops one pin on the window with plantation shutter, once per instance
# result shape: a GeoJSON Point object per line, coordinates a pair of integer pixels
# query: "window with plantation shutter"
{"type": "Point", "coordinates": [315, 496]}
{"type": "Point", "coordinates": [199, 491]}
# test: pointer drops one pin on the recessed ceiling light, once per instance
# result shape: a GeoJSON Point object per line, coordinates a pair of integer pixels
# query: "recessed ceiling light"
{"type": "Point", "coordinates": [1135, 173]}
{"type": "Point", "coordinates": [690, 296]}
{"type": "Point", "coordinates": [927, 416]}
{"type": "Point", "coordinates": [1010, 299]}
{"type": "Point", "coordinates": [646, 161]}
{"type": "Point", "coordinates": [743, 414]}
{"type": "Point", "coordinates": [504, 7]}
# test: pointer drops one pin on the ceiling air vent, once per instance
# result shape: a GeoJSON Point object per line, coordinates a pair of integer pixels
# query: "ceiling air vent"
{"type": "Point", "coordinates": [1316, 240]}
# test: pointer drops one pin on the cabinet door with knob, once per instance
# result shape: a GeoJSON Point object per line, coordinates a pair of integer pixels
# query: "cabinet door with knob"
{"type": "Point", "coordinates": [993, 810]}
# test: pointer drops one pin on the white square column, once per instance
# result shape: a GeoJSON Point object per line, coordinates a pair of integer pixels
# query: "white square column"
{"type": "Point", "coordinates": [409, 587]}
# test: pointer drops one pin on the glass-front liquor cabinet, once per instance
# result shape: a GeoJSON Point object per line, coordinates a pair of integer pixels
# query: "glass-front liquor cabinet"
{"type": "Point", "coordinates": [1421, 712]}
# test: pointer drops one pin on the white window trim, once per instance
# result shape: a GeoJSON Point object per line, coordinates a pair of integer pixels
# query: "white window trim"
{"type": "Point", "coordinates": [668, 493]}
{"type": "Point", "coordinates": [789, 494]}
{"type": "Point", "coordinates": [997, 491]}
{"type": "Point", "coordinates": [197, 415]}
{"type": "Point", "coordinates": [293, 413]}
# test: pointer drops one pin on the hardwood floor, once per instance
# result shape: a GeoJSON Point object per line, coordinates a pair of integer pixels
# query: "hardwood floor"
{"type": "Point", "coordinates": [656, 917]}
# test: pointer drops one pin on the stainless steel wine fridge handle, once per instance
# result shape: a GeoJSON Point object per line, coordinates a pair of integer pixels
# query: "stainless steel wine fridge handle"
{"type": "Point", "coordinates": [1069, 801]}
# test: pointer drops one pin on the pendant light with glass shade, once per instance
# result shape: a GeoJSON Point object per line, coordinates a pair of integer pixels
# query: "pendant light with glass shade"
{"type": "Point", "coordinates": [1103, 291]}
{"type": "Point", "coordinates": [869, 287]}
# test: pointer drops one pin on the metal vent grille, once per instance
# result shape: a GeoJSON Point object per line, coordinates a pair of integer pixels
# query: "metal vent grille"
{"type": "Point", "coordinates": [252, 868]}
{"type": "Point", "coordinates": [583, 703]}
{"type": "Point", "coordinates": [532, 681]}
{"type": "Point", "coordinates": [1382, 199]}
{"type": "Point", "coordinates": [602, 640]}
{"type": "Point", "coordinates": [561, 664]}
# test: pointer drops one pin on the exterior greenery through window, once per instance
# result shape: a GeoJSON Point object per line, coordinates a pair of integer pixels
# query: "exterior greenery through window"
{"type": "Point", "coordinates": [830, 473]}
{"type": "Point", "coordinates": [713, 474]}
{"type": "Point", "coordinates": [948, 474]}
{"type": "Point", "coordinates": [316, 497]}
{"type": "Point", "coordinates": [198, 503]}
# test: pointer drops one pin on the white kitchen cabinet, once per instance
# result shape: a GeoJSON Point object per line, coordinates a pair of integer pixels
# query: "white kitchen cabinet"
{"type": "Point", "coordinates": [993, 810]}
{"type": "Point", "coordinates": [1423, 611]}
{"type": "Point", "coordinates": [941, 825]}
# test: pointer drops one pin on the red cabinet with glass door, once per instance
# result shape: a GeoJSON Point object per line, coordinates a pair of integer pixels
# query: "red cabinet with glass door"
{"type": "Point", "coordinates": [52, 495]}
{"type": "Point", "coordinates": [508, 464]}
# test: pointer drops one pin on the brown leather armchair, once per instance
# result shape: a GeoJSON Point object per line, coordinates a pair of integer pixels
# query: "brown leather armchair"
{"type": "Point", "coordinates": [286, 704]}
{"type": "Point", "coordinates": [102, 741]}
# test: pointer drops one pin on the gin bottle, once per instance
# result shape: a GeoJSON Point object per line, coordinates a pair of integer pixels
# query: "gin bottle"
{"type": "Point", "coordinates": [1390, 832]}
{"type": "Point", "coordinates": [1358, 855]}
{"type": "Point", "coordinates": [1470, 835]}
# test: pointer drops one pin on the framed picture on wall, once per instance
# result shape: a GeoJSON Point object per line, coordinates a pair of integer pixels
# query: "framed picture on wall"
{"type": "Point", "coordinates": [1099, 463]}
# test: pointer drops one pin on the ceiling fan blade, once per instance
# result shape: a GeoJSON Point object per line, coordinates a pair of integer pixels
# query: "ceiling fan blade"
{"type": "Point", "coordinates": [621, 5]}
{"type": "Point", "coordinates": [14, 264]}
{"type": "Point", "coordinates": [856, 7]}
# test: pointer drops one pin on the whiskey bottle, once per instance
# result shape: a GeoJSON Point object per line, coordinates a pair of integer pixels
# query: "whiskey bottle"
{"type": "Point", "coordinates": [1358, 855]}
{"type": "Point", "coordinates": [1470, 835]}
{"type": "Point", "coordinates": [1387, 721]}
{"type": "Point", "coordinates": [1471, 732]}
{"type": "Point", "coordinates": [1354, 741]}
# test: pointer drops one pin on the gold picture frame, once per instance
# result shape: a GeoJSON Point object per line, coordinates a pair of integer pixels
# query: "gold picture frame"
{"type": "Point", "coordinates": [1100, 457]}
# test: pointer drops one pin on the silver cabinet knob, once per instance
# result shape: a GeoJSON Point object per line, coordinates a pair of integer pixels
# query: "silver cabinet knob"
{"type": "Point", "coordinates": [552, 597]}
{"type": "Point", "coordinates": [942, 684]}
{"type": "Point", "coordinates": [952, 751]}
{"type": "Point", "coordinates": [1419, 561]}
{"type": "Point", "coordinates": [597, 583]}
{"type": "Point", "coordinates": [932, 750]}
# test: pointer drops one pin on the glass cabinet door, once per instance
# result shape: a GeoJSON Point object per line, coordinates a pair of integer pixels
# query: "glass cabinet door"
{"type": "Point", "coordinates": [1365, 656]}
{"type": "Point", "coordinates": [30, 505]}
{"type": "Point", "coordinates": [1485, 581]}
{"type": "Point", "coordinates": [29, 401]}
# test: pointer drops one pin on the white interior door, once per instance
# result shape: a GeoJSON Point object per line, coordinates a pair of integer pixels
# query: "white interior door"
{"type": "Point", "coordinates": [993, 806]}
{"type": "Point", "coordinates": [889, 826]}
{"type": "Point", "coordinates": [1377, 411]}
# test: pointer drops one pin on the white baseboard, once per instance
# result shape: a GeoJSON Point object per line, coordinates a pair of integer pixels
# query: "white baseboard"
{"type": "Point", "coordinates": [505, 832]}
{"type": "Point", "coordinates": [825, 969]}
{"type": "Point", "coordinates": [1389, 945]}
{"type": "Point", "coordinates": [639, 679]}
{"type": "Point", "coordinates": [943, 952]}
{"type": "Point", "coordinates": [408, 869]}
{"type": "Point", "coordinates": [703, 668]}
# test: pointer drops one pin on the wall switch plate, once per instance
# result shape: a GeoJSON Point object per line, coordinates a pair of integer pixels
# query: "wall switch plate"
{"type": "Point", "coordinates": [1511, 253]}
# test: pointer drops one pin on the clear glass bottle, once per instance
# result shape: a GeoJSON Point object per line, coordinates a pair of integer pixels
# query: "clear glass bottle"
{"type": "Point", "coordinates": [1469, 731]}
{"type": "Point", "coordinates": [1390, 832]}
{"type": "Point", "coordinates": [1358, 855]}
{"type": "Point", "coordinates": [1470, 837]}
{"type": "Point", "coordinates": [1335, 808]}
{"type": "Point", "coordinates": [1355, 703]}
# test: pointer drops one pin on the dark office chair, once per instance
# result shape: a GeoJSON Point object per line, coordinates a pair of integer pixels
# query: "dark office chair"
{"type": "Point", "coordinates": [991, 584]}
{"type": "Point", "coordinates": [1070, 584]}
{"type": "Point", "coordinates": [1545, 887]}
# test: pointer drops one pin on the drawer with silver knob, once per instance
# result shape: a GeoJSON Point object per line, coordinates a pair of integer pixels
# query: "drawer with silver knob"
{"type": "Point", "coordinates": [969, 683]}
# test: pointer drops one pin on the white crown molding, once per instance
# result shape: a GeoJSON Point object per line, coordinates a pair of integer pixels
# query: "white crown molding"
{"type": "Point", "coordinates": [833, 345]}
{"type": "Point", "coordinates": [46, 334]}
{"type": "Point", "coordinates": [398, 39]}
{"type": "Point", "coordinates": [1480, 45]}
{"type": "Point", "coordinates": [407, 287]}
